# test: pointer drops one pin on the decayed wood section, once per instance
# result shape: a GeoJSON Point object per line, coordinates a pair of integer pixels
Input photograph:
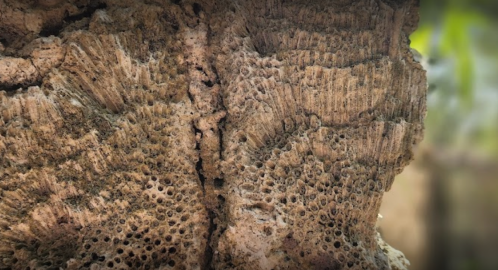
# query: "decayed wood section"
{"type": "Point", "coordinates": [203, 134]}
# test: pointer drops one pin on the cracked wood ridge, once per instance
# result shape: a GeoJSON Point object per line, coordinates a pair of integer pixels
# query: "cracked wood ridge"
{"type": "Point", "coordinates": [203, 134]}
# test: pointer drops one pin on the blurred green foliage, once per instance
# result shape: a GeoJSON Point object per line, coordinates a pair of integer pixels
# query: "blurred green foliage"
{"type": "Point", "coordinates": [458, 40]}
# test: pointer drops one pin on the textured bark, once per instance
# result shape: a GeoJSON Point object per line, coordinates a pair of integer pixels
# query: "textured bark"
{"type": "Point", "coordinates": [203, 134]}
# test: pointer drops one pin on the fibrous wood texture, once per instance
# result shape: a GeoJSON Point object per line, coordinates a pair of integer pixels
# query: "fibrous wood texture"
{"type": "Point", "coordinates": [203, 134]}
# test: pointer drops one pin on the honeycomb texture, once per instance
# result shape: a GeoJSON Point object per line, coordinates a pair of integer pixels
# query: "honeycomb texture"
{"type": "Point", "coordinates": [325, 103]}
{"type": "Point", "coordinates": [98, 160]}
{"type": "Point", "coordinates": [205, 134]}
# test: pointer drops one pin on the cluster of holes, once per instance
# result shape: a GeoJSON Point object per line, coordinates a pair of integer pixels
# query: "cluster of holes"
{"type": "Point", "coordinates": [136, 246]}
{"type": "Point", "coordinates": [325, 195]}
{"type": "Point", "coordinates": [153, 242]}
{"type": "Point", "coordinates": [174, 202]}
{"type": "Point", "coordinates": [334, 187]}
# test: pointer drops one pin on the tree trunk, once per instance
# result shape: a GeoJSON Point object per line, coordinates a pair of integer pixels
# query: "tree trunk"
{"type": "Point", "coordinates": [203, 134]}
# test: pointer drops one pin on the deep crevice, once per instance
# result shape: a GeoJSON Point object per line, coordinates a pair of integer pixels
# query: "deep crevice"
{"type": "Point", "coordinates": [199, 68]}
{"type": "Point", "coordinates": [221, 127]}
{"type": "Point", "coordinates": [217, 217]}
{"type": "Point", "coordinates": [218, 183]}
{"type": "Point", "coordinates": [223, 121]}
{"type": "Point", "coordinates": [208, 83]}
{"type": "Point", "coordinates": [12, 89]}
{"type": "Point", "coordinates": [197, 8]}
{"type": "Point", "coordinates": [211, 187]}
{"type": "Point", "coordinates": [190, 97]}
{"type": "Point", "coordinates": [56, 29]}
{"type": "Point", "coordinates": [209, 249]}
{"type": "Point", "coordinates": [198, 165]}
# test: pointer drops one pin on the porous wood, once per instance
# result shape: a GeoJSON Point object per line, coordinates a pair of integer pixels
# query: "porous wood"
{"type": "Point", "coordinates": [203, 134]}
